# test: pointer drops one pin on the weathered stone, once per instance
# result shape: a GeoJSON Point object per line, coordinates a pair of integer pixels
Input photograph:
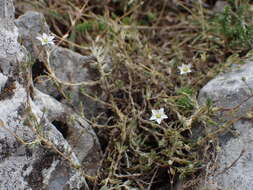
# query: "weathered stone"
{"type": "Point", "coordinates": [74, 129]}
{"type": "Point", "coordinates": [6, 9]}
{"type": "Point", "coordinates": [235, 166]}
{"type": "Point", "coordinates": [79, 146]}
{"type": "Point", "coordinates": [220, 6]}
{"type": "Point", "coordinates": [44, 145]}
{"type": "Point", "coordinates": [68, 67]}
{"type": "Point", "coordinates": [9, 47]}
{"type": "Point", "coordinates": [231, 90]}
{"type": "Point", "coordinates": [30, 25]}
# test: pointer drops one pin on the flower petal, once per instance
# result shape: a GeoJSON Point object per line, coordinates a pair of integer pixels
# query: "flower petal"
{"type": "Point", "coordinates": [51, 42]}
{"type": "Point", "coordinates": [164, 116]}
{"type": "Point", "coordinates": [44, 35]}
{"type": "Point", "coordinates": [154, 112]}
{"type": "Point", "coordinates": [50, 37]}
{"type": "Point", "coordinates": [161, 111]}
{"type": "Point", "coordinates": [39, 38]}
{"type": "Point", "coordinates": [153, 117]}
{"type": "Point", "coordinates": [159, 120]}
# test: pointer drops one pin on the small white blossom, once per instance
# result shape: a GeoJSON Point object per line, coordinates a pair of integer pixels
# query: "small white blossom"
{"type": "Point", "coordinates": [185, 69]}
{"type": "Point", "coordinates": [170, 162]}
{"type": "Point", "coordinates": [45, 39]}
{"type": "Point", "coordinates": [99, 53]}
{"type": "Point", "coordinates": [158, 115]}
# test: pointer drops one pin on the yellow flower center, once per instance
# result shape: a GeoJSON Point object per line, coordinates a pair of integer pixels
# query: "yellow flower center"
{"type": "Point", "coordinates": [45, 40]}
{"type": "Point", "coordinates": [185, 69]}
{"type": "Point", "coordinates": [158, 115]}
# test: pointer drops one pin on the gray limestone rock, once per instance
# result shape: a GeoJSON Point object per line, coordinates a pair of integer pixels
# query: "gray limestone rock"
{"type": "Point", "coordinates": [220, 6]}
{"type": "Point", "coordinates": [44, 144]}
{"type": "Point", "coordinates": [230, 90]}
{"type": "Point", "coordinates": [77, 132]}
{"type": "Point", "coordinates": [68, 66]}
{"type": "Point", "coordinates": [30, 25]}
{"type": "Point", "coordinates": [240, 152]}
{"type": "Point", "coordinates": [6, 9]}
{"type": "Point", "coordinates": [235, 168]}
{"type": "Point", "coordinates": [26, 167]}
{"type": "Point", "coordinates": [10, 50]}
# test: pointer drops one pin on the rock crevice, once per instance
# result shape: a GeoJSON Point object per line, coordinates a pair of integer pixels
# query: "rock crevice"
{"type": "Point", "coordinates": [44, 144]}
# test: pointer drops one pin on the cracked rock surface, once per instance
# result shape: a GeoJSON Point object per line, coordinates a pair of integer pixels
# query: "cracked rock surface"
{"type": "Point", "coordinates": [229, 90]}
{"type": "Point", "coordinates": [44, 144]}
{"type": "Point", "coordinates": [68, 66]}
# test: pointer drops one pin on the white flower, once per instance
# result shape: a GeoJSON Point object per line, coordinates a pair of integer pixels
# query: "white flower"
{"type": "Point", "coordinates": [170, 162]}
{"type": "Point", "coordinates": [185, 69]}
{"type": "Point", "coordinates": [99, 53]}
{"type": "Point", "coordinates": [45, 39]}
{"type": "Point", "coordinates": [158, 115]}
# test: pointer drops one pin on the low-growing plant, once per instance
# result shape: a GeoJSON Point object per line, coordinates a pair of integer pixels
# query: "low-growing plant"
{"type": "Point", "coordinates": [234, 24]}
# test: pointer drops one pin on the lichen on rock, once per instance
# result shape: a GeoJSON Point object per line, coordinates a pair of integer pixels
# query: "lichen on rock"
{"type": "Point", "coordinates": [227, 91]}
{"type": "Point", "coordinates": [44, 144]}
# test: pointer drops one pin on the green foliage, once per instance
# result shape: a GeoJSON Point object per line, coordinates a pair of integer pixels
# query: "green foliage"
{"type": "Point", "coordinates": [151, 16]}
{"type": "Point", "coordinates": [127, 20]}
{"type": "Point", "coordinates": [235, 24]}
{"type": "Point", "coordinates": [185, 91]}
{"type": "Point", "coordinates": [91, 25]}
{"type": "Point", "coordinates": [184, 101]}
{"type": "Point", "coordinates": [56, 15]}
{"type": "Point", "coordinates": [85, 26]}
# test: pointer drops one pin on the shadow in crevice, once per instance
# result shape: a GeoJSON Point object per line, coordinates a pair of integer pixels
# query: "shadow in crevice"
{"type": "Point", "coordinates": [62, 128]}
{"type": "Point", "coordinates": [38, 69]}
